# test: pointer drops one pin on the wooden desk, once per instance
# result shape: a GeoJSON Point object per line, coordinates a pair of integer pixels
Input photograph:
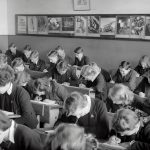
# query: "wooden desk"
{"type": "Point", "coordinates": [47, 113]}
{"type": "Point", "coordinates": [11, 115]}
{"type": "Point", "coordinates": [87, 91]}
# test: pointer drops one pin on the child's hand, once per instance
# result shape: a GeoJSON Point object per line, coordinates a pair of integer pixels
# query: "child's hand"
{"type": "Point", "coordinates": [82, 85]}
{"type": "Point", "coordinates": [66, 83]}
{"type": "Point", "coordinates": [114, 140]}
{"type": "Point", "coordinates": [141, 94]}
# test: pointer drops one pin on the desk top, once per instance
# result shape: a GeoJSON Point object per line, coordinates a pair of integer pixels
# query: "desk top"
{"type": "Point", "coordinates": [51, 105]}
{"type": "Point", "coordinates": [11, 115]}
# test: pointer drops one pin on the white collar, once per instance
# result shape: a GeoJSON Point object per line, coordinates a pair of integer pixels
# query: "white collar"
{"type": "Point", "coordinates": [12, 132]}
{"type": "Point", "coordinates": [9, 91]}
{"type": "Point", "coordinates": [134, 131]}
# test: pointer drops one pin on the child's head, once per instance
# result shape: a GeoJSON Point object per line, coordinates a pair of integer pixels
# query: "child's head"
{"type": "Point", "coordinates": [3, 60]}
{"type": "Point", "coordinates": [34, 56]}
{"type": "Point", "coordinates": [27, 51]}
{"type": "Point", "coordinates": [66, 137]}
{"type": "Point", "coordinates": [78, 52]}
{"type": "Point", "coordinates": [121, 94]}
{"type": "Point", "coordinates": [125, 120]}
{"type": "Point", "coordinates": [5, 124]}
{"type": "Point", "coordinates": [89, 72]}
{"type": "Point", "coordinates": [53, 56]}
{"type": "Point", "coordinates": [6, 78]}
{"type": "Point", "coordinates": [13, 48]}
{"type": "Point", "coordinates": [145, 61]}
{"type": "Point", "coordinates": [62, 67]}
{"type": "Point", "coordinates": [18, 65]}
{"type": "Point", "coordinates": [60, 52]}
{"type": "Point", "coordinates": [124, 68]}
{"type": "Point", "coordinates": [75, 103]}
{"type": "Point", "coordinates": [41, 85]}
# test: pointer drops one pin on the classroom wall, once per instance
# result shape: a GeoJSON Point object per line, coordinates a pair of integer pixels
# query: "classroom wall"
{"type": "Point", "coordinates": [3, 25]}
{"type": "Point", "coordinates": [107, 53]}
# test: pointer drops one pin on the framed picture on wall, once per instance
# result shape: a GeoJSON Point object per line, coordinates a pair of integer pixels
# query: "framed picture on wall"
{"type": "Point", "coordinates": [32, 25]}
{"type": "Point", "coordinates": [68, 24]}
{"type": "Point", "coordinates": [108, 26]}
{"type": "Point", "coordinates": [147, 27]}
{"type": "Point", "coordinates": [81, 5]}
{"type": "Point", "coordinates": [137, 26]}
{"type": "Point", "coordinates": [54, 24]}
{"type": "Point", "coordinates": [81, 25]}
{"type": "Point", "coordinates": [21, 25]}
{"type": "Point", "coordinates": [42, 24]}
{"type": "Point", "coordinates": [93, 26]}
{"type": "Point", "coordinates": [123, 27]}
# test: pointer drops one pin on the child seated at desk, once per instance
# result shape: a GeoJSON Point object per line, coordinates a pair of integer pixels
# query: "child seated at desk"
{"type": "Point", "coordinates": [129, 131]}
{"type": "Point", "coordinates": [47, 89]}
{"type": "Point", "coordinates": [63, 56]}
{"type": "Point", "coordinates": [17, 137]}
{"type": "Point", "coordinates": [143, 66]}
{"type": "Point", "coordinates": [36, 64]}
{"type": "Point", "coordinates": [94, 79]}
{"type": "Point", "coordinates": [126, 75]}
{"type": "Point", "coordinates": [23, 75]}
{"type": "Point", "coordinates": [26, 54]}
{"type": "Point", "coordinates": [91, 114]}
{"type": "Point", "coordinates": [53, 60]}
{"type": "Point", "coordinates": [64, 74]}
{"type": "Point", "coordinates": [16, 99]}
{"type": "Point", "coordinates": [80, 58]}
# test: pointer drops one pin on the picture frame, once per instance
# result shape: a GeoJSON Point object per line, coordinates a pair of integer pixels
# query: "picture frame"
{"type": "Point", "coordinates": [81, 5]}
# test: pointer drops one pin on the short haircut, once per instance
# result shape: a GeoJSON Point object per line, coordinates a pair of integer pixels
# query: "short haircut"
{"type": "Point", "coordinates": [34, 54]}
{"type": "Point", "coordinates": [78, 50]}
{"type": "Point", "coordinates": [41, 84]}
{"type": "Point", "coordinates": [11, 44]}
{"type": "Point", "coordinates": [87, 70]}
{"type": "Point", "coordinates": [124, 114]}
{"type": "Point", "coordinates": [116, 89]}
{"type": "Point", "coordinates": [6, 75]}
{"type": "Point", "coordinates": [17, 62]}
{"type": "Point", "coordinates": [3, 60]}
{"type": "Point", "coordinates": [145, 59]}
{"type": "Point", "coordinates": [71, 135]}
{"type": "Point", "coordinates": [27, 47]}
{"type": "Point", "coordinates": [52, 53]}
{"type": "Point", "coordinates": [74, 101]}
{"type": "Point", "coordinates": [59, 48]}
{"type": "Point", "coordinates": [5, 122]}
{"type": "Point", "coordinates": [125, 64]}
{"type": "Point", "coordinates": [62, 65]}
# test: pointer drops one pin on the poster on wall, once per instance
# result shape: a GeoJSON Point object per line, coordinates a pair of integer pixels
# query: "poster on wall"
{"type": "Point", "coordinates": [137, 26]}
{"type": "Point", "coordinates": [123, 27]}
{"type": "Point", "coordinates": [93, 23]}
{"type": "Point", "coordinates": [68, 24]}
{"type": "Point", "coordinates": [108, 26]}
{"type": "Point", "coordinates": [42, 24]}
{"type": "Point", "coordinates": [147, 27]}
{"type": "Point", "coordinates": [54, 24]}
{"type": "Point", "coordinates": [32, 25]}
{"type": "Point", "coordinates": [81, 25]}
{"type": "Point", "coordinates": [21, 24]}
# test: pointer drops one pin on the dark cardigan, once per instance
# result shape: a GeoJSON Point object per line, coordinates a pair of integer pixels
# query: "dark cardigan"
{"type": "Point", "coordinates": [95, 122]}
{"type": "Point", "coordinates": [84, 61]}
{"type": "Point", "coordinates": [25, 139]}
{"type": "Point", "coordinates": [128, 80]}
{"type": "Point", "coordinates": [142, 139]}
{"type": "Point", "coordinates": [19, 103]}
